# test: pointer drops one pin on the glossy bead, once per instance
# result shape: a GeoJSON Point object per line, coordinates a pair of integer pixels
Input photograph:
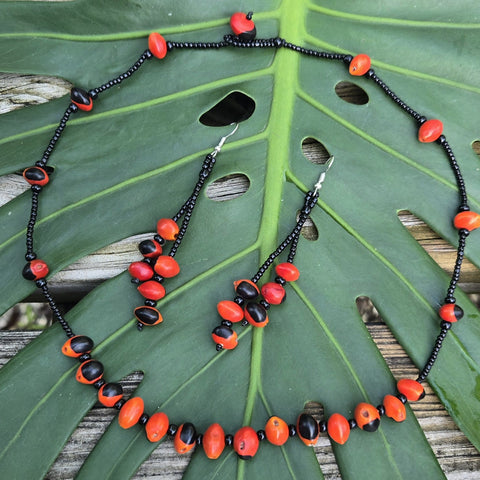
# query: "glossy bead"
{"type": "Point", "coordinates": [273, 293]}
{"type": "Point", "coordinates": [246, 289]}
{"type": "Point", "coordinates": [450, 312]}
{"type": "Point", "coordinates": [307, 429]}
{"type": "Point", "coordinates": [230, 311]}
{"type": "Point", "coordinates": [276, 431]}
{"type": "Point", "coordinates": [360, 65]}
{"type": "Point", "coordinates": [141, 270]}
{"type": "Point", "coordinates": [150, 248]}
{"type": "Point", "coordinates": [394, 408]}
{"type": "Point", "coordinates": [110, 393]}
{"type": "Point", "coordinates": [225, 337]}
{"type": "Point", "coordinates": [167, 229]}
{"type": "Point", "coordinates": [213, 441]}
{"type": "Point", "coordinates": [35, 270]}
{"type": "Point", "coordinates": [152, 290]}
{"type": "Point", "coordinates": [81, 99]}
{"type": "Point", "coordinates": [76, 346]}
{"type": "Point", "coordinates": [256, 315]}
{"type": "Point", "coordinates": [148, 315]}
{"type": "Point", "coordinates": [367, 417]}
{"type": "Point", "coordinates": [338, 428]}
{"type": "Point", "coordinates": [242, 26]}
{"type": "Point", "coordinates": [35, 176]}
{"type": "Point", "coordinates": [246, 442]}
{"type": "Point", "coordinates": [467, 220]}
{"type": "Point", "coordinates": [430, 131]}
{"type": "Point", "coordinates": [412, 389]}
{"type": "Point", "coordinates": [157, 426]}
{"type": "Point", "coordinates": [89, 372]}
{"type": "Point", "coordinates": [157, 45]}
{"type": "Point", "coordinates": [131, 412]}
{"type": "Point", "coordinates": [288, 271]}
{"type": "Point", "coordinates": [185, 437]}
{"type": "Point", "coordinates": [166, 266]}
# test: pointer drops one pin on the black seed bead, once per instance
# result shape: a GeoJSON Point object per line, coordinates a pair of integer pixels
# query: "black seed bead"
{"type": "Point", "coordinates": [239, 300]}
{"type": "Point", "coordinates": [348, 59]}
{"type": "Point", "coordinates": [402, 398]}
{"type": "Point", "coordinates": [381, 410]}
{"type": "Point", "coordinates": [227, 323]}
{"type": "Point", "coordinates": [353, 423]}
{"type": "Point", "coordinates": [120, 404]}
{"type": "Point", "coordinates": [261, 435]}
{"type": "Point", "coordinates": [199, 439]}
{"type": "Point", "coordinates": [292, 430]}
{"type": "Point", "coordinates": [228, 440]}
{"type": "Point", "coordinates": [99, 383]}
{"type": "Point", "coordinates": [280, 280]}
{"type": "Point", "coordinates": [265, 304]}
{"type": "Point", "coordinates": [37, 189]}
{"type": "Point", "coordinates": [84, 357]}
{"type": "Point", "coordinates": [41, 283]}
{"type": "Point", "coordinates": [73, 108]}
{"type": "Point", "coordinates": [136, 281]}
{"type": "Point", "coordinates": [143, 419]}
{"type": "Point", "coordinates": [150, 303]}
{"type": "Point", "coordinates": [445, 325]}
{"type": "Point", "coordinates": [218, 347]}
{"type": "Point", "coordinates": [244, 323]}
{"type": "Point", "coordinates": [159, 239]}
{"type": "Point", "coordinates": [172, 429]}
{"type": "Point", "coordinates": [463, 208]}
{"type": "Point", "coordinates": [30, 256]}
{"type": "Point", "coordinates": [139, 326]}
{"type": "Point", "coordinates": [322, 426]}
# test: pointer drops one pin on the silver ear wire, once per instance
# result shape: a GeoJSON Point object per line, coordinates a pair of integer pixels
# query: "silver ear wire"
{"type": "Point", "coordinates": [223, 140]}
{"type": "Point", "coordinates": [318, 185]}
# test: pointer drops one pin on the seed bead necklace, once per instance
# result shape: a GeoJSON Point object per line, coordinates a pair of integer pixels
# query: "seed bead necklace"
{"type": "Point", "coordinates": [245, 440]}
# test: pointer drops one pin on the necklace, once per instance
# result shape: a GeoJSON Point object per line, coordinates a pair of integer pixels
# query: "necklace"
{"type": "Point", "coordinates": [307, 428]}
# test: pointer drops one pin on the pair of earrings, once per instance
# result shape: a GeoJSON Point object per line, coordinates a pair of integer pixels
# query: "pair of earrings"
{"type": "Point", "coordinates": [250, 304]}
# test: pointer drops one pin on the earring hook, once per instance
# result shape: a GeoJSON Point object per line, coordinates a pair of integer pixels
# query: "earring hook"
{"type": "Point", "coordinates": [224, 139]}
{"type": "Point", "coordinates": [319, 183]}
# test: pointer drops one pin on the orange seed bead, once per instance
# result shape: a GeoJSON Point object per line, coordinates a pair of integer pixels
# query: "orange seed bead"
{"type": "Point", "coordinates": [367, 417]}
{"type": "Point", "coordinates": [230, 311]}
{"type": "Point", "coordinates": [430, 131]}
{"type": "Point", "coordinates": [156, 427]}
{"type": "Point", "coordinates": [360, 65]}
{"type": "Point", "coordinates": [394, 408]}
{"type": "Point", "coordinates": [167, 228]}
{"type": "Point", "coordinates": [276, 431]}
{"type": "Point", "coordinates": [338, 428]}
{"type": "Point", "coordinates": [166, 266]}
{"type": "Point", "coordinates": [213, 441]}
{"type": "Point", "coordinates": [412, 389]}
{"type": "Point", "coordinates": [288, 271]}
{"type": "Point", "coordinates": [157, 45]}
{"type": "Point", "coordinates": [467, 220]}
{"type": "Point", "coordinates": [131, 412]}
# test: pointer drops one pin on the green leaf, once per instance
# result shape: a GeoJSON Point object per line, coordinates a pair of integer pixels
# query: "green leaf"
{"type": "Point", "coordinates": [135, 158]}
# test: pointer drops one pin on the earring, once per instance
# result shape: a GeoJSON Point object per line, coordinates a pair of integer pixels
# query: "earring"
{"type": "Point", "coordinates": [150, 272]}
{"type": "Point", "coordinates": [246, 308]}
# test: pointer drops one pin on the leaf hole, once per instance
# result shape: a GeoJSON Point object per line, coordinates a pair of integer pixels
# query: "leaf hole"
{"type": "Point", "coordinates": [476, 147]}
{"type": "Point", "coordinates": [228, 187]}
{"type": "Point", "coordinates": [234, 108]}
{"type": "Point", "coordinates": [309, 230]}
{"type": "Point", "coordinates": [315, 151]}
{"type": "Point", "coordinates": [351, 93]}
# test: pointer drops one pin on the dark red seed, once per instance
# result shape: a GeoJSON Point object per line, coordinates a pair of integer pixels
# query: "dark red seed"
{"type": "Point", "coordinates": [141, 270]}
{"type": "Point", "coordinates": [273, 293]}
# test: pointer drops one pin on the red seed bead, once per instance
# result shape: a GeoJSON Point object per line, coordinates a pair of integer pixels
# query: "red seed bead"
{"type": "Point", "coordinates": [81, 99]}
{"type": "Point", "coordinates": [35, 176]}
{"type": "Point", "coordinates": [360, 65]}
{"type": "Point", "coordinates": [277, 431]}
{"type": "Point", "coordinates": [225, 337]}
{"type": "Point", "coordinates": [307, 429]}
{"type": "Point", "coordinates": [338, 428]}
{"type": "Point", "coordinates": [150, 248]}
{"type": "Point", "coordinates": [167, 229]}
{"type": "Point", "coordinates": [242, 26]}
{"type": "Point", "coordinates": [450, 312]}
{"type": "Point", "coordinates": [273, 293]}
{"type": "Point", "coordinates": [246, 289]}
{"type": "Point", "coordinates": [131, 412]}
{"type": "Point", "coordinates": [246, 442]}
{"type": "Point", "coordinates": [110, 393]}
{"type": "Point", "coordinates": [467, 220]}
{"type": "Point", "coordinates": [367, 417]}
{"type": "Point", "coordinates": [89, 372]}
{"type": "Point", "coordinates": [166, 266]}
{"type": "Point", "coordinates": [288, 271]}
{"type": "Point", "coordinates": [185, 438]}
{"type": "Point", "coordinates": [35, 270]}
{"type": "Point", "coordinates": [430, 131]}
{"type": "Point", "coordinates": [141, 270]}
{"type": "Point", "coordinates": [157, 45]}
{"type": "Point", "coordinates": [157, 427]}
{"type": "Point", "coordinates": [148, 315]}
{"type": "Point", "coordinates": [213, 441]}
{"type": "Point", "coordinates": [152, 290]}
{"type": "Point", "coordinates": [230, 311]}
{"type": "Point", "coordinates": [412, 389]}
{"type": "Point", "coordinates": [76, 346]}
{"type": "Point", "coordinates": [394, 408]}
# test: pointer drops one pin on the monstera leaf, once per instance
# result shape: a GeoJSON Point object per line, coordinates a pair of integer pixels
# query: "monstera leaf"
{"type": "Point", "coordinates": [134, 159]}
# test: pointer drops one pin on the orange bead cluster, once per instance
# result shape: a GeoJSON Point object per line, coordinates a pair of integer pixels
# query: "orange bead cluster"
{"type": "Point", "coordinates": [153, 269]}
{"type": "Point", "coordinates": [246, 309]}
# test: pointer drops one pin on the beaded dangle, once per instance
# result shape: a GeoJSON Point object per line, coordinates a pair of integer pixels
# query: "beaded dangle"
{"type": "Point", "coordinates": [277, 431]}
{"type": "Point", "coordinates": [150, 273]}
{"type": "Point", "coordinates": [245, 307]}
